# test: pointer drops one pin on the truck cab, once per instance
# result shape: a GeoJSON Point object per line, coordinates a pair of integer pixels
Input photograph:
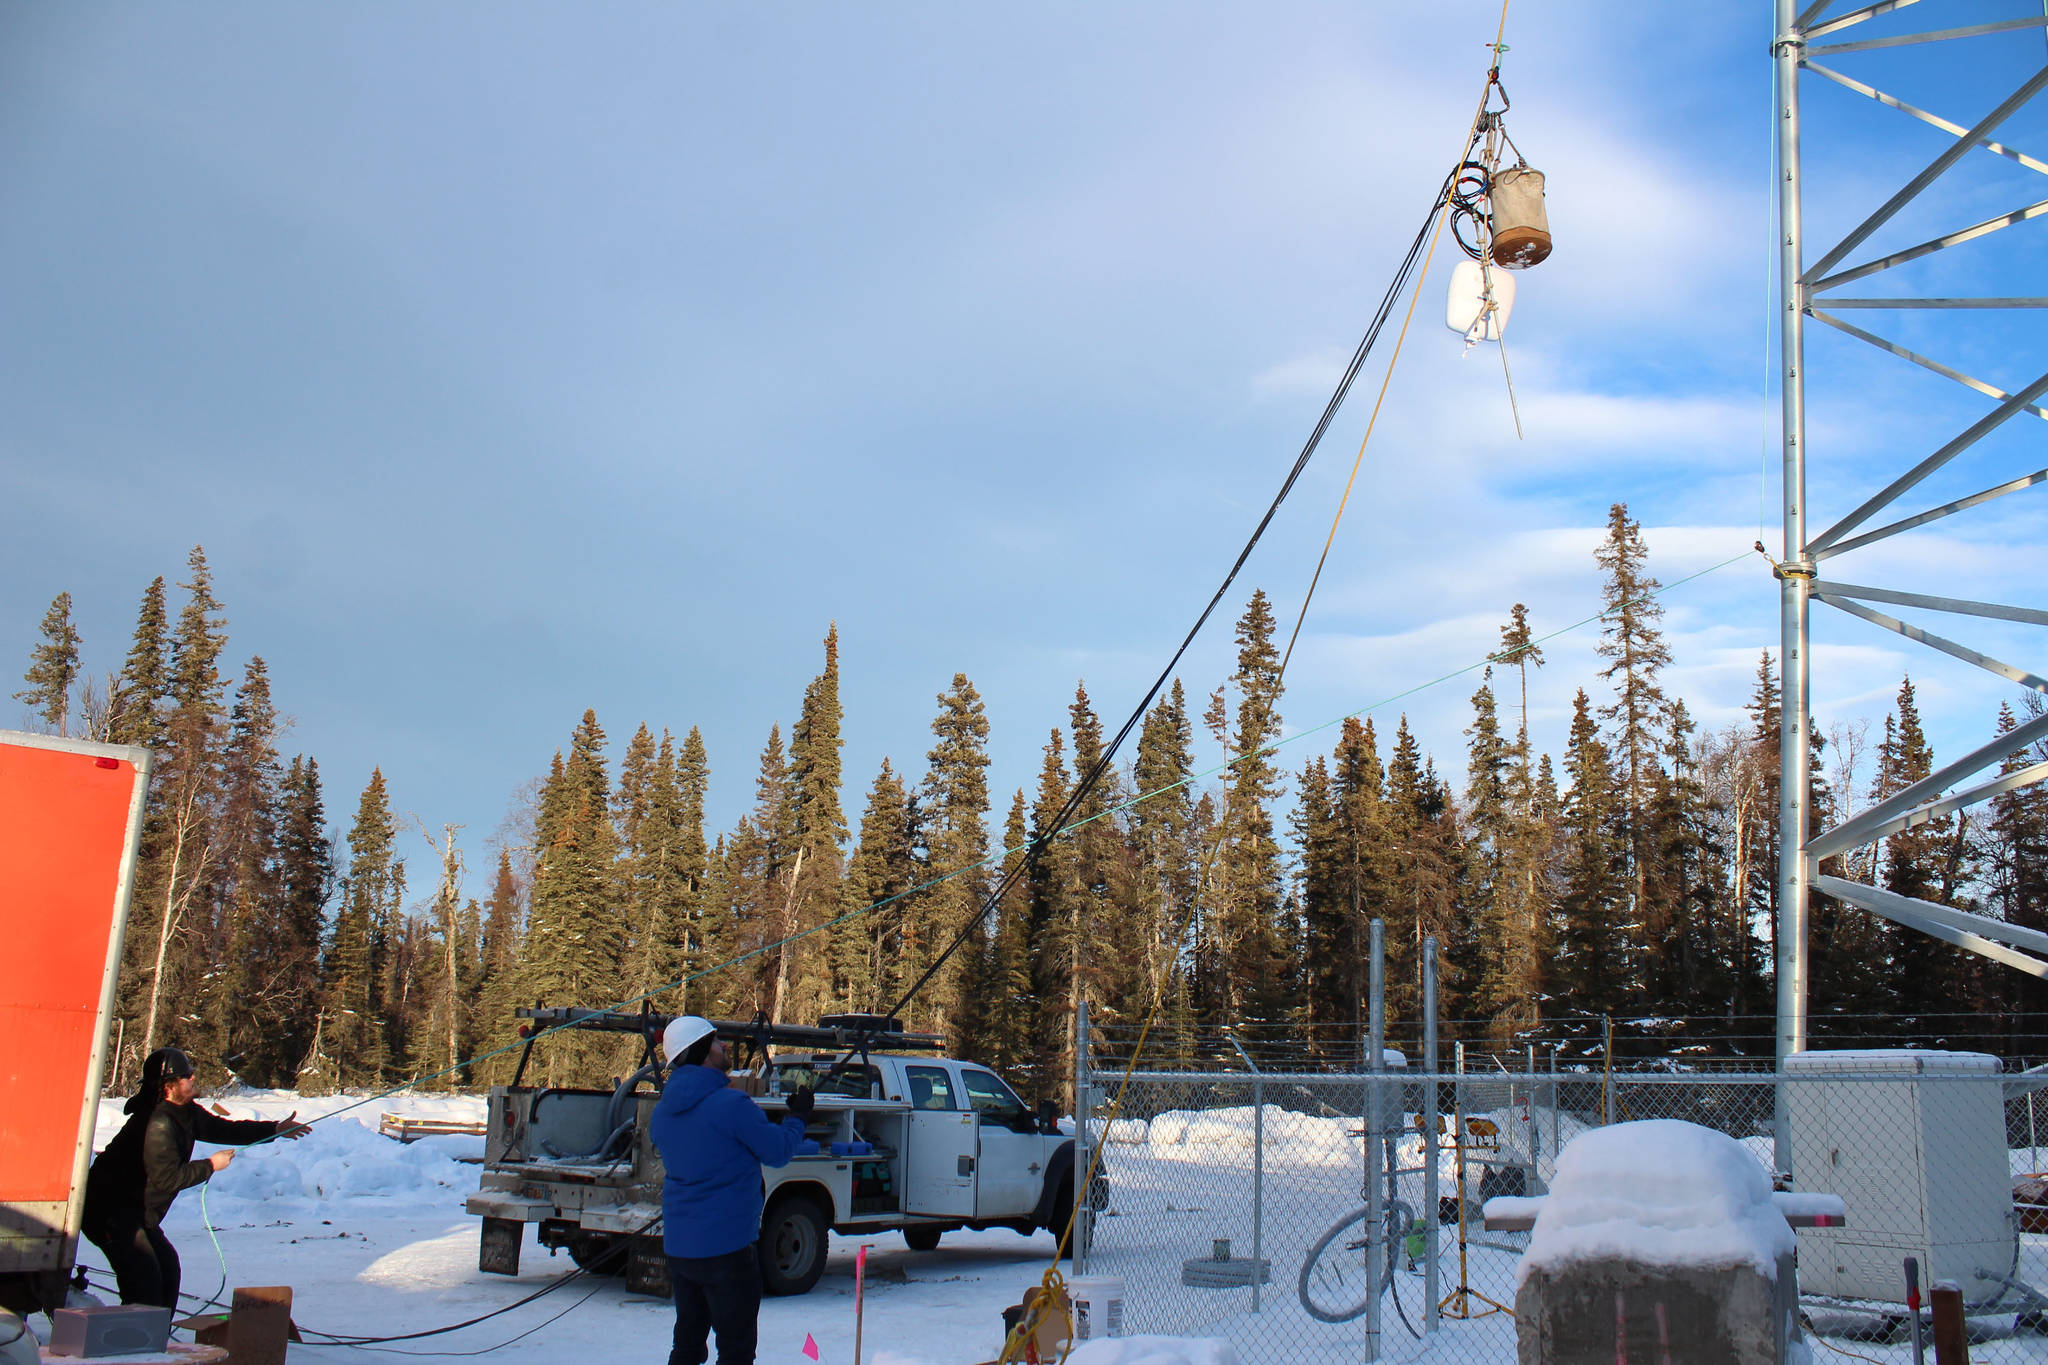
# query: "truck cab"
{"type": "Point", "coordinates": [921, 1144]}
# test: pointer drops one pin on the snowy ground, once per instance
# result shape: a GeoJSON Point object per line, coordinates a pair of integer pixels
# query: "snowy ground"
{"type": "Point", "coordinates": [1182, 1179]}
{"type": "Point", "coordinates": [373, 1240]}
{"type": "Point", "coordinates": [372, 1237]}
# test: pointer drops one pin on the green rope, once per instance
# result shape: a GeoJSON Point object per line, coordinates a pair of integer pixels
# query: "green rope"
{"type": "Point", "coordinates": [997, 857]}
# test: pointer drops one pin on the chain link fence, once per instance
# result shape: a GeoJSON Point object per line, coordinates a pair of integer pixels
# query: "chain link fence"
{"type": "Point", "coordinates": [1242, 1196]}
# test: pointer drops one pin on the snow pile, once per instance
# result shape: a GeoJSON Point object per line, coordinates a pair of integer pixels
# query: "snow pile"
{"type": "Point", "coordinates": [344, 1156]}
{"type": "Point", "coordinates": [1154, 1351]}
{"type": "Point", "coordinates": [1660, 1192]}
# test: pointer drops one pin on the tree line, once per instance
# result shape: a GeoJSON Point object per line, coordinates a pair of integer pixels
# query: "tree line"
{"type": "Point", "coordinates": [1632, 876]}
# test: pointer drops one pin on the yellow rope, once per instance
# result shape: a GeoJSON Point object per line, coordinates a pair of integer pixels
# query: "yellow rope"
{"type": "Point", "coordinates": [1052, 1296]}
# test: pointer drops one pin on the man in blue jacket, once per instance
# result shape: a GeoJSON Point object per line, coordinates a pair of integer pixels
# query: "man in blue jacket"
{"type": "Point", "coordinates": [714, 1141]}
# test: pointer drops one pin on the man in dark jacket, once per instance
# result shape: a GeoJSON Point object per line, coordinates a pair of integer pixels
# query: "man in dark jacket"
{"type": "Point", "coordinates": [713, 1142]}
{"type": "Point", "coordinates": [133, 1182]}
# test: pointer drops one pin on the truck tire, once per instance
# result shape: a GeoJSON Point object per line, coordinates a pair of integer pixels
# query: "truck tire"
{"type": "Point", "coordinates": [600, 1253]}
{"type": "Point", "coordinates": [792, 1247]}
{"type": "Point", "coordinates": [923, 1238]}
{"type": "Point", "coordinates": [1063, 1212]}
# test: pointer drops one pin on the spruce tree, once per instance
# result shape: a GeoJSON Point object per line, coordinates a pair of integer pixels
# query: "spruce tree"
{"type": "Point", "coordinates": [53, 668]}
{"type": "Point", "coordinates": [638, 838]}
{"type": "Point", "coordinates": [1637, 720]}
{"type": "Point", "coordinates": [248, 949]}
{"type": "Point", "coordinates": [1014, 1006]}
{"type": "Point", "coordinates": [305, 885]}
{"type": "Point", "coordinates": [955, 808]}
{"type": "Point", "coordinates": [1248, 864]}
{"type": "Point", "coordinates": [499, 976]}
{"type": "Point", "coordinates": [669, 880]}
{"type": "Point", "coordinates": [1489, 771]}
{"type": "Point", "coordinates": [1924, 862]}
{"type": "Point", "coordinates": [353, 1047]}
{"type": "Point", "coordinates": [1366, 866]}
{"type": "Point", "coordinates": [817, 836]}
{"type": "Point", "coordinates": [1325, 919]}
{"type": "Point", "coordinates": [1165, 844]}
{"type": "Point", "coordinates": [144, 683]}
{"type": "Point", "coordinates": [868, 952]}
{"type": "Point", "coordinates": [2016, 865]}
{"type": "Point", "coordinates": [171, 925]}
{"type": "Point", "coordinates": [575, 934]}
{"type": "Point", "coordinates": [1055, 900]}
{"type": "Point", "coordinates": [1590, 947]}
{"type": "Point", "coordinates": [700, 944]}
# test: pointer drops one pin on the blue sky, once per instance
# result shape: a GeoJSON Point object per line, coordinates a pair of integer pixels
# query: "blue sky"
{"type": "Point", "coordinates": [512, 359]}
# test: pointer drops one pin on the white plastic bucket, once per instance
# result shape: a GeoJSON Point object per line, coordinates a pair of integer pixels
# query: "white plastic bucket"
{"type": "Point", "coordinates": [1098, 1307]}
{"type": "Point", "coordinates": [1467, 300]}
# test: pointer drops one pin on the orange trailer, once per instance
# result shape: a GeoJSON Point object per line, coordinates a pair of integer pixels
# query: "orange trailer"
{"type": "Point", "coordinates": [70, 826]}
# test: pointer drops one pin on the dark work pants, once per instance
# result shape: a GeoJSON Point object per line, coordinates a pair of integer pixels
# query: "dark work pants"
{"type": "Point", "coordinates": [716, 1294]}
{"type": "Point", "coordinates": [145, 1263]}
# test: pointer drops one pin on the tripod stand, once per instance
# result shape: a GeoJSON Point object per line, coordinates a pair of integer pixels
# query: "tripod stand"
{"type": "Point", "coordinates": [1459, 1303]}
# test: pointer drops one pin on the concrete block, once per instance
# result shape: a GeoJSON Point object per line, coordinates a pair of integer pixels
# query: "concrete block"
{"type": "Point", "coordinates": [1598, 1311]}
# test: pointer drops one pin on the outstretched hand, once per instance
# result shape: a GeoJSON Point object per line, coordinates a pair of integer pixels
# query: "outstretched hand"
{"type": "Point", "coordinates": [290, 1127]}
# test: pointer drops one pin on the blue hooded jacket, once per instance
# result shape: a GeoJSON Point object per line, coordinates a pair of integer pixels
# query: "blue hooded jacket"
{"type": "Point", "coordinates": [714, 1141]}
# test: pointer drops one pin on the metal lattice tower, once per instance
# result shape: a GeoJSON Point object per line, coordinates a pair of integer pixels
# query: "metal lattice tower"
{"type": "Point", "coordinates": [1810, 40]}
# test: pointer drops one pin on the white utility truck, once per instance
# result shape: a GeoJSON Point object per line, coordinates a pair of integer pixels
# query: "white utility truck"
{"type": "Point", "coordinates": [900, 1141]}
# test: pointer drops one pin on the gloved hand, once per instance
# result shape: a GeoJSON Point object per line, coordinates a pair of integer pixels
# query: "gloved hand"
{"type": "Point", "coordinates": [802, 1102]}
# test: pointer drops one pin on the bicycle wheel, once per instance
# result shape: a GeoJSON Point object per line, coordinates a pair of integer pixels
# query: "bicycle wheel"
{"type": "Point", "coordinates": [1336, 1285]}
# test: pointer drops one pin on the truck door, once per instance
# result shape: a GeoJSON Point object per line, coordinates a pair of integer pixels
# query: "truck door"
{"type": "Point", "coordinates": [939, 1147]}
{"type": "Point", "coordinates": [1012, 1165]}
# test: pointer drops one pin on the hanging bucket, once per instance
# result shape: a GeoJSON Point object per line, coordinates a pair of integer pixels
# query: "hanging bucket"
{"type": "Point", "coordinates": [1467, 300]}
{"type": "Point", "coordinates": [1521, 229]}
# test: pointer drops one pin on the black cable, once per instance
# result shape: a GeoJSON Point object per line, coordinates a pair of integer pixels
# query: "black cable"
{"type": "Point", "coordinates": [481, 1351]}
{"type": "Point", "coordinates": [332, 1339]}
{"type": "Point", "coordinates": [1093, 777]}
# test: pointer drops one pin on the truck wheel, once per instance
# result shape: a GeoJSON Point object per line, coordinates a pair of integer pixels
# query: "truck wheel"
{"type": "Point", "coordinates": [922, 1238]}
{"type": "Point", "coordinates": [599, 1253]}
{"type": "Point", "coordinates": [792, 1249]}
{"type": "Point", "coordinates": [1063, 1212]}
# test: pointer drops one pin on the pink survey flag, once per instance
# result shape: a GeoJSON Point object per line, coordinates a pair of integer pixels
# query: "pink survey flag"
{"type": "Point", "coordinates": [810, 1346]}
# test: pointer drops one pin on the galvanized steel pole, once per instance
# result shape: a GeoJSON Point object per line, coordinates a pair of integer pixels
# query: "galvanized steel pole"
{"type": "Point", "coordinates": [1077, 1241]}
{"type": "Point", "coordinates": [1258, 1165]}
{"type": "Point", "coordinates": [1795, 575]}
{"type": "Point", "coordinates": [1375, 1211]}
{"type": "Point", "coordinates": [1431, 1308]}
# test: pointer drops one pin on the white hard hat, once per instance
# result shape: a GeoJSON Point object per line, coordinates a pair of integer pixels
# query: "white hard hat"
{"type": "Point", "coordinates": [682, 1031]}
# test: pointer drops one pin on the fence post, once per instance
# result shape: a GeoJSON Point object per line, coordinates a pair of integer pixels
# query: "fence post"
{"type": "Point", "coordinates": [1078, 1235]}
{"type": "Point", "coordinates": [1375, 1211]}
{"type": "Point", "coordinates": [1529, 1187]}
{"type": "Point", "coordinates": [1607, 1086]}
{"type": "Point", "coordinates": [1258, 1165]}
{"type": "Point", "coordinates": [1430, 1193]}
{"type": "Point", "coordinates": [1555, 1101]}
{"type": "Point", "coordinates": [1951, 1337]}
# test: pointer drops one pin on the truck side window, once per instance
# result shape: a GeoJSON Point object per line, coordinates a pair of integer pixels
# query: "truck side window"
{"type": "Point", "coordinates": [989, 1096]}
{"type": "Point", "coordinates": [930, 1087]}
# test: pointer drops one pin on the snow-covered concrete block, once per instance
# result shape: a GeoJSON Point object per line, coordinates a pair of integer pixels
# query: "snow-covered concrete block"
{"type": "Point", "coordinates": [1658, 1241]}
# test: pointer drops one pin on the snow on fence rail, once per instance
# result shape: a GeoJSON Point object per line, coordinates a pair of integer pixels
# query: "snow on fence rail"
{"type": "Point", "coordinates": [1273, 1165]}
